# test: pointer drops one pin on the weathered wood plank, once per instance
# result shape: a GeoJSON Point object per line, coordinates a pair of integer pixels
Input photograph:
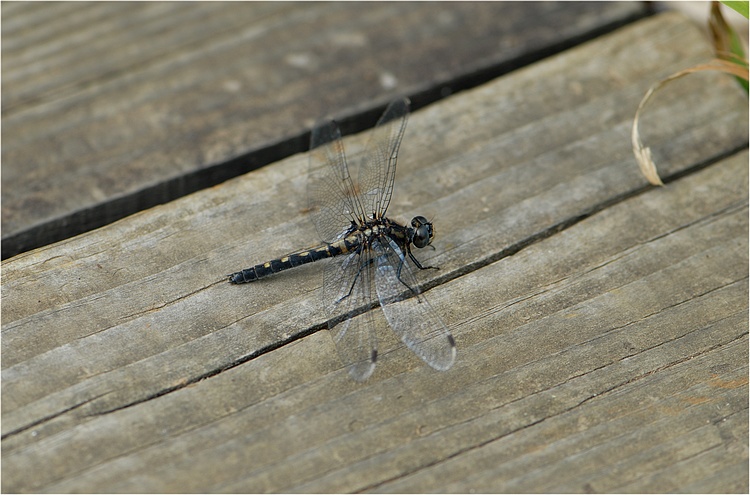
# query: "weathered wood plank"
{"type": "Point", "coordinates": [620, 310]}
{"type": "Point", "coordinates": [618, 379]}
{"type": "Point", "coordinates": [110, 108]}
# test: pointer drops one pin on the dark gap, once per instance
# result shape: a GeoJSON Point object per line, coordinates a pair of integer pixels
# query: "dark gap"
{"type": "Point", "coordinates": [209, 374]}
{"type": "Point", "coordinates": [592, 210]}
{"type": "Point", "coordinates": [115, 209]}
{"type": "Point", "coordinates": [508, 251]}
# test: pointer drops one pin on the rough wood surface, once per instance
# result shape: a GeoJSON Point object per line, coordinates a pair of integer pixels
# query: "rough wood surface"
{"type": "Point", "coordinates": [601, 325]}
{"type": "Point", "coordinates": [113, 107]}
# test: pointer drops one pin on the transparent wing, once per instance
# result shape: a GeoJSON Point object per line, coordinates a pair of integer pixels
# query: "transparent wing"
{"type": "Point", "coordinates": [331, 193]}
{"type": "Point", "coordinates": [377, 166]}
{"type": "Point", "coordinates": [407, 311]}
{"type": "Point", "coordinates": [349, 278]}
{"type": "Point", "coordinates": [340, 205]}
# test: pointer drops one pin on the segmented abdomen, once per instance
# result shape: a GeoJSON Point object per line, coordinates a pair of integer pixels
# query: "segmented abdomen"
{"type": "Point", "coordinates": [270, 267]}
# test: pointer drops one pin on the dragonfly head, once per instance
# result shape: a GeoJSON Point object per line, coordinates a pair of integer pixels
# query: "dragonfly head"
{"type": "Point", "coordinates": [423, 232]}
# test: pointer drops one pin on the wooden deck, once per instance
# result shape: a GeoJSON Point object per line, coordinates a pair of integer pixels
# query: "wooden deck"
{"type": "Point", "coordinates": [601, 324]}
{"type": "Point", "coordinates": [111, 108]}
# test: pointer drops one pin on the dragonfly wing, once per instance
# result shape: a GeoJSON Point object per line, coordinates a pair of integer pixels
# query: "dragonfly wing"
{"type": "Point", "coordinates": [350, 280]}
{"type": "Point", "coordinates": [407, 311]}
{"type": "Point", "coordinates": [330, 190]}
{"type": "Point", "coordinates": [377, 166]}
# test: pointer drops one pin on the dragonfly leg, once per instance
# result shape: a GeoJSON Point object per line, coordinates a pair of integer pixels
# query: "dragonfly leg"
{"type": "Point", "coordinates": [401, 264]}
{"type": "Point", "coordinates": [418, 264]}
{"type": "Point", "coordinates": [354, 282]}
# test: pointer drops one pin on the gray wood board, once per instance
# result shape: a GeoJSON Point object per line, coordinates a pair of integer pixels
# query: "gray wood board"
{"type": "Point", "coordinates": [110, 108]}
{"type": "Point", "coordinates": [601, 325]}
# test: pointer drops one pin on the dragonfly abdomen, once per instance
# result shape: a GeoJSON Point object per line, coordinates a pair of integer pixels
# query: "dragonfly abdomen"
{"type": "Point", "coordinates": [296, 259]}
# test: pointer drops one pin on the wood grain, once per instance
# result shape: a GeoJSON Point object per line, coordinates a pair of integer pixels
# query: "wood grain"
{"type": "Point", "coordinates": [601, 324]}
{"type": "Point", "coordinates": [111, 108]}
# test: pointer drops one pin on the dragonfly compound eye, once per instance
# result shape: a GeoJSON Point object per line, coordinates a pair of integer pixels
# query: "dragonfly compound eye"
{"type": "Point", "coordinates": [423, 232]}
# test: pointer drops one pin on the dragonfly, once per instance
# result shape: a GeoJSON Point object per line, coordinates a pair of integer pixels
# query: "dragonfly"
{"type": "Point", "coordinates": [370, 254]}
